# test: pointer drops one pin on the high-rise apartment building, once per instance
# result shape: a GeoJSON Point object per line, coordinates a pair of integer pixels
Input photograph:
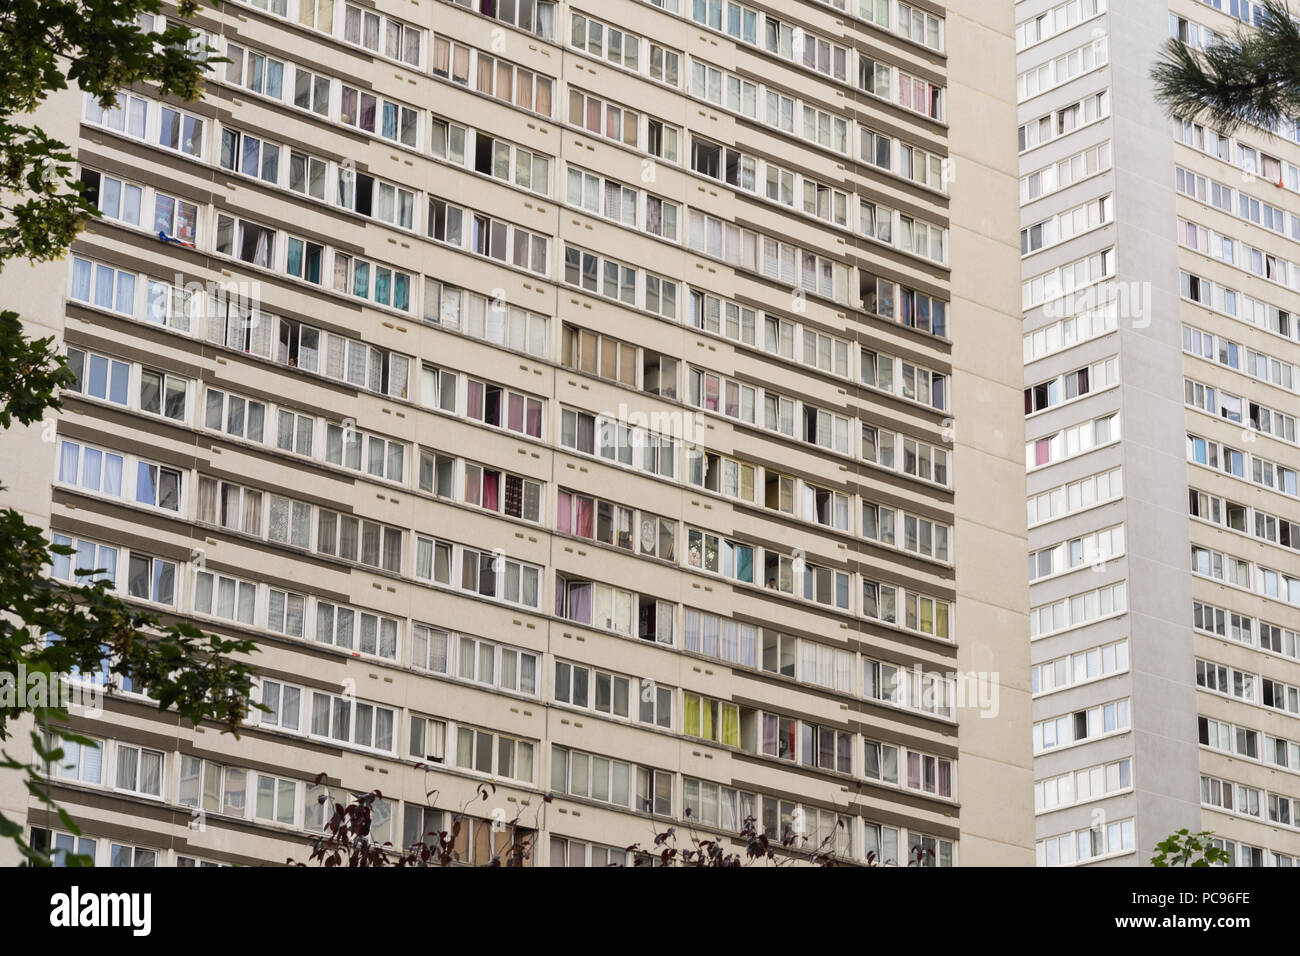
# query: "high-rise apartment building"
{"type": "Point", "coordinates": [617, 401]}
{"type": "Point", "coordinates": [1161, 266]}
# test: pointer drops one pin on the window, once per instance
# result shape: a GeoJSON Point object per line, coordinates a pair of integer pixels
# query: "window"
{"type": "Point", "coordinates": [460, 310]}
{"type": "Point", "coordinates": [372, 281]}
{"type": "Point", "coordinates": [246, 241]}
{"type": "Point", "coordinates": [82, 762]}
{"type": "Point", "coordinates": [513, 84]}
{"type": "Point", "coordinates": [721, 475]}
{"type": "Point", "coordinates": [483, 662]}
{"type": "Point", "coordinates": [90, 468]}
{"type": "Point", "coordinates": [122, 855]}
{"type": "Point", "coordinates": [294, 432]}
{"type": "Point", "coordinates": [496, 754]}
{"type": "Point", "coordinates": [139, 770]}
{"type": "Point", "coordinates": [255, 71]}
{"type": "Point", "coordinates": [654, 792]}
{"type": "Point", "coordinates": [252, 156]}
{"type": "Point", "coordinates": [487, 236]}
{"type": "Point", "coordinates": [151, 579]}
{"type": "Point", "coordinates": [503, 408]}
{"type": "Point", "coordinates": [428, 741]}
{"type": "Point", "coordinates": [163, 394]}
{"type": "Point", "coordinates": [616, 525]}
{"type": "Point", "coordinates": [127, 116]}
{"type": "Point", "coordinates": [712, 720]}
{"type": "Point", "coordinates": [392, 38]}
{"type": "Point", "coordinates": [351, 628]}
{"type": "Point", "coordinates": [614, 609]}
{"type": "Point", "coordinates": [379, 116]}
{"type": "Point", "coordinates": [352, 721]}
{"type": "Point", "coordinates": [921, 27]}
{"type": "Point", "coordinates": [102, 286]}
{"type": "Point", "coordinates": [1083, 785]}
{"type": "Point", "coordinates": [712, 805]}
{"type": "Point", "coordinates": [158, 486]}
{"type": "Point", "coordinates": [495, 157]}
{"type": "Point", "coordinates": [724, 163]}
{"type": "Point", "coordinates": [368, 196]}
{"type": "Point", "coordinates": [276, 800]}
{"type": "Point", "coordinates": [87, 557]}
{"type": "Point", "coordinates": [596, 690]}
{"type": "Point", "coordinates": [576, 853]}
{"type": "Point", "coordinates": [605, 42]}
{"type": "Point", "coordinates": [224, 597]}
{"type": "Point", "coordinates": [923, 239]}
{"type": "Point", "coordinates": [721, 638]}
{"type": "Point", "coordinates": [311, 91]}
{"type": "Point", "coordinates": [234, 415]}
{"type": "Point", "coordinates": [593, 777]}
{"type": "Point", "coordinates": [1077, 610]}
{"type": "Point", "coordinates": [98, 376]}
{"type": "Point", "coordinates": [115, 198]}
{"type": "Point", "coordinates": [181, 132]}
{"type": "Point", "coordinates": [284, 703]}
{"type": "Point", "coordinates": [230, 506]}
{"type": "Point", "coordinates": [531, 17]}
{"type": "Point", "coordinates": [307, 174]}
{"type": "Point", "coordinates": [1061, 69]}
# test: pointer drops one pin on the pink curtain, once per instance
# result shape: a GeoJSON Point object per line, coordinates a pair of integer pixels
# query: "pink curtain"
{"type": "Point", "coordinates": [515, 412]}
{"type": "Point", "coordinates": [563, 522]}
{"type": "Point", "coordinates": [586, 514]}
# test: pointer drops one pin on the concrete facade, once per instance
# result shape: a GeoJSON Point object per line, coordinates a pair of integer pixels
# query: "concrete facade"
{"type": "Point", "coordinates": [628, 393]}
{"type": "Point", "coordinates": [1101, 186]}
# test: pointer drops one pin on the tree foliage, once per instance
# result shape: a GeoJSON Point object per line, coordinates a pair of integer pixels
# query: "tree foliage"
{"type": "Point", "coordinates": [45, 46]}
{"type": "Point", "coordinates": [49, 629]}
{"type": "Point", "coordinates": [1185, 848]}
{"type": "Point", "coordinates": [347, 841]}
{"type": "Point", "coordinates": [1251, 77]}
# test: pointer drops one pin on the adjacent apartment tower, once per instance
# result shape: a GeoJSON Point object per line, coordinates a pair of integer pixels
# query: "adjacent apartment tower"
{"type": "Point", "coordinates": [613, 401]}
{"type": "Point", "coordinates": [1161, 271]}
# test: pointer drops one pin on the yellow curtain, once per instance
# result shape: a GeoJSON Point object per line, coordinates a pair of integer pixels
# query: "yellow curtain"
{"type": "Point", "coordinates": [731, 725]}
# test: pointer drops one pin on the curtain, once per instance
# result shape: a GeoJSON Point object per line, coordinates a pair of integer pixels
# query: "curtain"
{"type": "Point", "coordinates": [585, 517]}
{"type": "Point", "coordinates": [68, 472]}
{"type": "Point", "coordinates": [127, 765]}
{"type": "Point", "coordinates": [208, 500]}
{"type": "Point", "coordinates": [580, 609]}
{"type": "Point", "coordinates": [730, 725]}
{"type": "Point", "coordinates": [369, 104]}
{"type": "Point", "coordinates": [294, 616]}
{"type": "Point", "coordinates": [707, 719]}
{"type": "Point", "coordinates": [515, 412]}
{"type": "Point", "coordinates": [513, 502]}
{"type": "Point", "coordinates": [348, 534]}
{"type": "Point", "coordinates": [710, 636]}
{"type": "Point", "coordinates": [729, 646]}
{"type": "Point", "coordinates": [523, 89]}
{"type": "Point", "coordinates": [692, 640]}
{"type": "Point", "coordinates": [252, 512]}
